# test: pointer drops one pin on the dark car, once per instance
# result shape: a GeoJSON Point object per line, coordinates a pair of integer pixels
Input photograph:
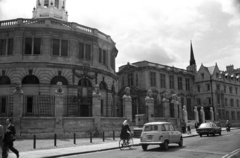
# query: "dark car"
{"type": "Point", "coordinates": [209, 128]}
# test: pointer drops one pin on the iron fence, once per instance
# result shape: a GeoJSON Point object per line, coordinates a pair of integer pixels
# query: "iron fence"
{"type": "Point", "coordinates": [6, 105]}
{"type": "Point", "coordinates": [38, 105]}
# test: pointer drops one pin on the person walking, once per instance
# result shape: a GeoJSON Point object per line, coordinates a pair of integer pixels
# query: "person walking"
{"type": "Point", "coordinates": [1, 140]}
{"type": "Point", "coordinates": [125, 132]}
{"type": "Point", "coordinates": [196, 125]}
{"type": "Point", "coordinates": [189, 127]}
{"type": "Point", "coordinates": [183, 125]}
{"type": "Point", "coordinates": [228, 126]}
{"type": "Point", "coordinates": [9, 137]}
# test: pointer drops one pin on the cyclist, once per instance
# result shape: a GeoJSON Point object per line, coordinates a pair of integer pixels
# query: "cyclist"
{"type": "Point", "coordinates": [125, 132]}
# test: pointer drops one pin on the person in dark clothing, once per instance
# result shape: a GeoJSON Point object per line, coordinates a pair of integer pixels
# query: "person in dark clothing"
{"type": "Point", "coordinates": [196, 124]}
{"type": "Point", "coordinates": [125, 132]}
{"type": "Point", "coordinates": [183, 126]}
{"type": "Point", "coordinates": [9, 137]}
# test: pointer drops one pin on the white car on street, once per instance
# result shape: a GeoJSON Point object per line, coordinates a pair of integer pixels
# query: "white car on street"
{"type": "Point", "coordinates": [160, 133]}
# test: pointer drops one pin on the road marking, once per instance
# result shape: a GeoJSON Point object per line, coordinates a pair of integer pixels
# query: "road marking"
{"type": "Point", "coordinates": [228, 135]}
{"type": "Point", "coordinates": [231, 153]}
{"type": "Point", "coordinates": [204, 151]}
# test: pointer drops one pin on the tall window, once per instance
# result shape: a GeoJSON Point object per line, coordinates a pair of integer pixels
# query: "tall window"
{"type": "Point", "coordinates": [187, 84]}
{"type": "Point", "coordinates": [6, 46]}
{"type": "Point", "coordinates": [136, 79]}
{"type": "Point", "coordinates": [3, 43]}
{"type": "Point", "coordinates": [32, 46]}
{"type": "Point", "coordinates": [231, 102]}
{"type": "Point", "coordinates": [130, 79]}
{"type": "Point", "coordinates": [46, 3]}
{"type": "Point", "coordinates": [57, 3]}
{"type": "Point", "coordinates": [198, 87]}
{"type": "Point", "coordinates": [113, 62]}
{"type": "Point", "coordinates": [233, 115]}
{"type": "Point", "coordinates": [84, 51]}
{"type": "Point", "coordinates": [162, 80]}
{"type": "Point", "coordinates": [100, 55]}
{"type": "Point", "coordinates": [209, 100]}
{"type": "Point", "coordinates": [171, 81]}
{"type": "Point", "coordinates": [104, 57]}
{"type": "Point", "coordinates": [218, 86]}
{"type": "Point", "coordinates": [236, 90]}
{"type": "Point", "coordinates": [230, 90]}
{"type": "Point", "coordinates": [60, 47]}
{"type": "Point", "coordinates": [81, 50]}
{"type": "Point", "coordinates": [88, 51]}
{"type": "Point", "coordinates": [227, 115]}
{"type": "Point", "coordinates": [152, 79]}
{"type": "Point", "coordinates": [224, 88]}
{"type": "Point", "coordinates": [29, 105]}
{"type": "Point", "coordinates": [3, 105]}
{"type": "Point", "coordinates": [198, 101]}
{"type": "Point", "coordinates": [226, 102]}
{"type": "Point", "coordinates": [208, 87]}
{"type": "Point", "coordinates": [237, 102]}
{"type": "Point", "coordinates": [180, 83]}
{"type": "Point", "coordinates": [202, 74]}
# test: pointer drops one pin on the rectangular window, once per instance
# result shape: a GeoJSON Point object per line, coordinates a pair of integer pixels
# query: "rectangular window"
{"type": "Point", "coordinates": [202, 74]}
{"type": "Point", "coordinates": [10, 46]}
{"type": "Point", "coordinates": [37, 46]}
{"type": "Point", "coordinates": [227, 115]}
{"type": "Point", "coordinates": [152, 79]}
{"type": "Point", "coordinates": [29, 104]}
{"type": "Point", "coordinates": [28, 46]}
{"type": "Point", "coordinates": [136, 79]}
{"type": "Point", "coordinates": [218, 86]}
{"type": "Point", "coordinates": [3, 43]}
{"type": "Point", "coordinates": [198, 87]}
{"type": "Point", "coordinates": [46, 3]}
{"type": "Point", "coordinates": [187, 84]}
{"type": "Point", "coordinates": [238, 115]}
{"type": "Point", "coordinates": [81, 51]}
{"type": "Point", "coordinates": [233, 115]}
{"type": "Point", "coordinates": [236, 90]}
{"type": "Point", "coordinates": [180, 83]}
{"type": "Point", "coordinates": [171, 81]}
{"type": "Point", "coordinates": [209, 100]}
{"type": "Point", "coordinates": [224, 88]}
{"type": "Point", "coordinates": [3, 105]}
{"type": "Point", "coordinates": [113, 62]}
{"type": "Point", "coordinates": [64, 48]}
{"type": "Point", "coordinates": [230, 90]}
{"type": "Point", "coordinates": [208, 87]}
{"type": "Point", "coordinates": [104, 57]}
{"type": "Point", "coordinates": [100, 55]}
{"type": "Point", "coordinates": [226, 102]}
{"type": "Point", "coordinates": [57, 3]}
{"type": "Point", "coordinates": [162, 80]}
{"type": "Point", "coordinates": [56, 47]}
{"type": "Point", "coordinates": [130, 79]}
{"type": "Point", "coordinates": [237, 103]}
{"type": "Point", "coordinates": [231, 102]}
{"type": "Point", "coordinates": [198, 101]}
{"type": "Point", "coordinates": [88, 52]}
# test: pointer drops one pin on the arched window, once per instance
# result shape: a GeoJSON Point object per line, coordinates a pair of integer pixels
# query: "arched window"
{"type": "Point", "coordinates": [4, 80]}
{"type": "Point", "coordinates": [84, 83]}
{"type": "Point", "coordinates": [30, 79]}
{"type": "Point", "coordinates": [59, 79]}
{"type": "Point", "coordinates": [103, 86]}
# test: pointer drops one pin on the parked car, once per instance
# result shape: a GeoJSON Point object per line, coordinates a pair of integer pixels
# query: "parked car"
{"type": "Point", "coordinates": [160, 133]}
{"type": "Point", "coordinates": [209, 128]}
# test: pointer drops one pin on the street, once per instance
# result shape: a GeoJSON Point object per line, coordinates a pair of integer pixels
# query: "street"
{"type": "Point", "coordinates": [225, 146]}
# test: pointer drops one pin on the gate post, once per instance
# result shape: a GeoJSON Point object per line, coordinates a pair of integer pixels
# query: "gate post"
{"type": "Point", "coordinates": [149, 102]}
{"type": "Point", "coordinates": [127, 103]}
{"type": "Point", "coordinates": [185, 114]}
{"type": "Point", "coordinates": [196, 114]}
{"type": "Point", "coordinates": [96, 110]}
{"type": "Point", "coordinates": [17, 107]}
{"type": "Point", "coordinates": [59, 109]}
{"type": "Point", "coordinates": [166, 104]}
{"type": "Point", "coordinates": [212, 114]}
{"type": "Point", "coordinates": [202, 114]}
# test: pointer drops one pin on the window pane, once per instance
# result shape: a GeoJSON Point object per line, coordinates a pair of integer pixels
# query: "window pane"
{"type": "Point", "coordinates": [88, 52]}
{"type": "Point", "coordinates": [37, 45]}
{"type": "Point", "coordinates": [100, 55]}
{"type": "Point", "coordinates": [29, 104]}
{"type": "Point", "coordinates": [46, 3]}
{"type": "Point", "coordinates": [10, 46]}
{"type": "Point", "coordinates": [81, 50]}
{"type": "Point", "coordinates": [57, 3]}
{"type": "Point", "coordinates": [56, 43]}
{"type": "Point", "coordinates": [104, 57]}
{"type": "Point", "coordinates": [2, 47]}
{"type": "Point", "coordinates": [3, 105]}
{"type": "Point", "coordinates": [64, 48]}
{"type": "Point", "coordinates": [28, 46]}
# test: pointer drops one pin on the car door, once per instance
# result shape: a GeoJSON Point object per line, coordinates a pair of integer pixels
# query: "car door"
{"type": "Point", "coordinates": [170, 133]}
{"type": "Point", "coordinates": [164, 133]}
{"type": "Point", "coordinates": [176, 134]}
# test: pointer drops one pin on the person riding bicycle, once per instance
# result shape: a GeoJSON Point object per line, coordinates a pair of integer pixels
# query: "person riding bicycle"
{"type": "Point", "coordinates": [228, 126]}
{"type": "Point", "coordinates": [125, 132]}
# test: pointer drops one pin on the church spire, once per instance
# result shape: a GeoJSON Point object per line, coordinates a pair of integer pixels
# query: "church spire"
{"type": "Point", "coordinates": [192, 59]}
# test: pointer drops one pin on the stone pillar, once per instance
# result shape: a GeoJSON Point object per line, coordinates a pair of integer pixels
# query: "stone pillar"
{"type": "Point", "coordinates": [17, 107]}
{"type": "Point", "coordinates": [127, 104]}
{"type": "Point", "coordinates": [96, 109]}
{"type": "Point", "coordinates": [149, 102]}
{"type": "Point", "coordinates": [196, 114]}
{"type": "Point", "coordinates": [180, 108]}
{"type": "Point", "coordinates": [212, 114]}
{"type": "Point", "coordinates": [59, 109]}
{"type": "Point", "coordinates": [202, 114]}
{"type": "Point", "coordinates": [185, 114]}
{"type": "Point", "coordinates": [166, 105]}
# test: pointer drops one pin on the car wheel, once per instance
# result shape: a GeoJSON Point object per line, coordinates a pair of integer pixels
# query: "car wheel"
{"type": "Point", "coordinates": [165, 145]}
{"type": "Point", "coordinates": [144, 147]}
{"type": "Point", "coordinates": [200, 135]}
{"type": "Point", "coordinates": [180, 142]}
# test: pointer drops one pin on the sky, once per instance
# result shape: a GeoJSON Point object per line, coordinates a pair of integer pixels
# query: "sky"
{"type": "Point", "coordinates": [158, 31]}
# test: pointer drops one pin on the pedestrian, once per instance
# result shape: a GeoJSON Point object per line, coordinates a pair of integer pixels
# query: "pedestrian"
{"type": "Point", "coordinates": [9, 137]}
{"type": "Point", "coordinates": [196, 125]}
{"type": "Point", "coordinates": [228, 126]}
{"type": "Point", "coordinates": [189, 127]}
{"type": "Point", "coordinates": [183, 126]}
{"type": "Point", "coordinates": [1, 140]}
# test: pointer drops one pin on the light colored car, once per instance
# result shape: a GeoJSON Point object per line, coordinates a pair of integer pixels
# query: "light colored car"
{"type": "Point", "coordinates": [160, 133]}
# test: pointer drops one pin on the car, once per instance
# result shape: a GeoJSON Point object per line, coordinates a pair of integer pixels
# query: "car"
{"type": "Point", "coordinates": [160, 133]}
{"type": "Point", "coordinates": [209, 128]}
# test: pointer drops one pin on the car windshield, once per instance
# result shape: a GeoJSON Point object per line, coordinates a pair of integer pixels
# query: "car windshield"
{"type": "Point", "coordinates": [205, 125]}
{"type": "Point", "coordinates": [151, 128]}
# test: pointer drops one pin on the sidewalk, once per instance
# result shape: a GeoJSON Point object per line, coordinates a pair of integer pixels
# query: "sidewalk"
{"type": "Point", "coordinates": [84, 146]}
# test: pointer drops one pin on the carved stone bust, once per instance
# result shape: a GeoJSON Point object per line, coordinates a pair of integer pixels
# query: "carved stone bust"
{"type": "Point", "coordinates": [18, 87]}
{"type": "Point", "coordinates": [59, 88]}
{"type": "Point", "coordinates": [127, 93]}
{"type": "Point", "coordinates": [149, 95]}
{"type": "Point", "coordinates": [96, 90]}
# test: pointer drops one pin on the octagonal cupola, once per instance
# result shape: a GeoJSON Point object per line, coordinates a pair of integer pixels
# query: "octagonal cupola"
{"type": "Point", "coordinates": [50, 9]}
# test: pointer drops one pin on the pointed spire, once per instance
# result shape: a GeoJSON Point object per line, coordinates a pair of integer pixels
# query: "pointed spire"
{"type": "Point", "coordinates": [192, 59]}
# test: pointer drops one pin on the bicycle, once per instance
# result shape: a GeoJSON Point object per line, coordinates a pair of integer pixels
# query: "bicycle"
{"type": "Point", "coordinates": [128, 143]}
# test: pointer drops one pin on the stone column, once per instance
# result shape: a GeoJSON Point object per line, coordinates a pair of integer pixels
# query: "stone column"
{"type": "Point", "coordinates": [202, 114]}
{"type": "Point", "coordinates": [127, 104]}
{"type": "Point", "coordinates": [59, 109]}
{"type": "Point", "coordinates": [212, 114]}
{"type": "Point", "coordinates": [96, 109]}
{"type": "Point", "coordinates": [185, 114]}
{"type": "Point", "coordinates": [166, 105]}
{"type": "Point", "coordinates": [149, 102]}
{"type": "Point", "coordinates": [175, 104]}
{"type": "Point", "coordinates": [196, 114]}
{"type": "Point", "coordinates": [180, 108]}
{"type": "Point", "coordinates": [17, 107]}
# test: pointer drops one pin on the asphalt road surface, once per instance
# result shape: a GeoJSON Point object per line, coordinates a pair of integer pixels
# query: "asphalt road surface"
{"type": "Point", "coordinates": [225, 146]}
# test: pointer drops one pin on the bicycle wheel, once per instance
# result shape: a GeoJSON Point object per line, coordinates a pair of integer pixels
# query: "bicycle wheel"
{"type": "Point", "coordinates": [121, 145]}
{"type": "Point", "coordinates": [130, 143]}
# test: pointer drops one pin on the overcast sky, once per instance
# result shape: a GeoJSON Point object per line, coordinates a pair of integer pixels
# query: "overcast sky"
{"type": "Point", "coordinates": [156, 30]}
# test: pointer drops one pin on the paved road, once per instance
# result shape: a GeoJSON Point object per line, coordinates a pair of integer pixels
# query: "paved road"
{"type": "Point", "coordinates": [225, 146]}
